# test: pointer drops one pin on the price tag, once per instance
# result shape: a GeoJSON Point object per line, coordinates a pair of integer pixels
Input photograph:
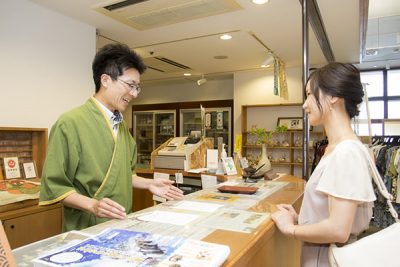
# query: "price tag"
{"type": "Point", "coordinates": [179, 178]}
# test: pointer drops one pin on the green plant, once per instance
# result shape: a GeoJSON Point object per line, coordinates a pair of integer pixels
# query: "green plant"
{"type": "Point", "coordinates": [264, 136]}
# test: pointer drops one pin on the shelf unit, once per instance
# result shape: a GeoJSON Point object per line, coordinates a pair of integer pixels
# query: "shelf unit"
{"type": "Point", "coordinates": [151, 132]}
{"type": "Point", "coordinates": [284, 158]}
{"type": "Point", "coordinates": [191, 121]}
{"type": "Point", "coordinates": [28, 144]}
{"type": "Point", "coordinates": [24, 221]}
{"type": "Point", "coordinates": [151, 129]}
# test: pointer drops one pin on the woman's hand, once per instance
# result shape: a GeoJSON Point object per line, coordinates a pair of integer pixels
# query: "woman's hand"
{"type": "Point", "coordinates": [290, 209]}
{"type": "Point", "coordinates": [284, 220]}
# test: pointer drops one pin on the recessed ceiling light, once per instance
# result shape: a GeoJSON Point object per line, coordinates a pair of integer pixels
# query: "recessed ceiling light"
{"type": "Point", "coordinates": [225, 37]}
{"type": "Point", "coordinates": [265, 66]}
{"type": "Point", "coordinates": [375, 66]}
{"type": "Point", "coordinates": [187, 74]}
{"type": "Point", "coordinates": [221, 57]}
{"type": "Point", "coordinates": [259, 2]}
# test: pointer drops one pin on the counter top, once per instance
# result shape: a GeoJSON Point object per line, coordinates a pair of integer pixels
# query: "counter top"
{"type": "Point", "coordinates": [264, 246]}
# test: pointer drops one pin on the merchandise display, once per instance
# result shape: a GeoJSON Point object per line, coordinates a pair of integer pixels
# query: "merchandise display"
{"type": "Point", "coordinates": [128, 248]}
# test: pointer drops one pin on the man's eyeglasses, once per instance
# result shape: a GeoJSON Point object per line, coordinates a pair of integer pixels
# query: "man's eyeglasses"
{"type": "Point", "coordinates": [132, 86]}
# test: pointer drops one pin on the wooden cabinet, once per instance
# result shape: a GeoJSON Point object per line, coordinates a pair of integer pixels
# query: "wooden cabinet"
{"type": "Point", "coordinates": [24, 221]}
{"type": "Point", "coordinates": [30, 224]}
{"type": "Point", "coordinates": [286, 152]}
{"type": "Point", "coordinates": [28, 144]}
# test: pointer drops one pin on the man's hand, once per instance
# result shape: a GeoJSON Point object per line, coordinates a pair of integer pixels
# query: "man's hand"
{"type": "Point", "coordinates": [165, 189]}
{"type": "Point", "coordinates": [103, 208]}
{"type": "Point", "coordinates": [107, 208]}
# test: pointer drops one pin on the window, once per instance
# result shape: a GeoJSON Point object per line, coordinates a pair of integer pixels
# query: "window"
{"type": "Point", "coordinates": [383, 91]}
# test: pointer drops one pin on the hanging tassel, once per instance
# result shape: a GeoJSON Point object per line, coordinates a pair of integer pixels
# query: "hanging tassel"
{"type": "Point", "coordinates": [282, 81]}
{"type": "Point", "coordinates": [276, 76]}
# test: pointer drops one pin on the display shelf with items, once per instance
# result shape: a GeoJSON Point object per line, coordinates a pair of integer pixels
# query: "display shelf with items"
{"type": "Point", "coordinates": [27, 144]}
{"type": "Point", "coordinates": [190, 121]}
{"type": "Point", "coordinates": [217, 124]}
{"type": "Point", "coordinates": [285, 149]}
{"type": "Point", "coordinates": [151, 129]}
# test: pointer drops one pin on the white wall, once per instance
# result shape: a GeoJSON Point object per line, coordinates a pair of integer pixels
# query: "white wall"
{"type": "Point", "coordinates": [257, 87]}
{"type": "Point", "coordinates": [45, 64]}
{"type": "Point", "coordinates": [182, 91]}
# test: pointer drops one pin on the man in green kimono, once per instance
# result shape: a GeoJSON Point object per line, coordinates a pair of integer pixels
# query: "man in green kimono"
{"type": "Point", "coordinates": [91, 155]}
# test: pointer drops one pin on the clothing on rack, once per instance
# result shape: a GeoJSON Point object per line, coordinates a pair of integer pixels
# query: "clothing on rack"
{"type": "Point", "coordinates": [387, 156]}
{"type": "Point", "coordinates": [319, 150]}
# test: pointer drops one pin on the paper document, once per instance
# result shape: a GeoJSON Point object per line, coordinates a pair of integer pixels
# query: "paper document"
{"type": "Point", "coordinates": [235, 220]}
{"type": "Point", "coordinates": [197, 206]}
{"type": "Point", "coordinates": [169, 217]}
{"type": "Point", "coordinates": [208, 181]}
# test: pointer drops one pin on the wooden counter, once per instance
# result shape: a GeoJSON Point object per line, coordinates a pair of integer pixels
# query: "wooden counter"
{"type": "Point", "coordinates": [265, 246]}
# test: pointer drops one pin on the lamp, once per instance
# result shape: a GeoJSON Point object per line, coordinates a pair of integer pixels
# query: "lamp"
{"type": "Point", "coordinates": [201, 81]}
{"type": "Point", "coordinates": [270, 58]}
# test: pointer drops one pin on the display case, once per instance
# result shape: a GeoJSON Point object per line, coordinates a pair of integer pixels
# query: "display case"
{"type": "Point", "coordinates": [286, 151]}
{"type": "Point", "coordinates": [217, 124]}
{"type": "Point", "coordinates": [151, 129]}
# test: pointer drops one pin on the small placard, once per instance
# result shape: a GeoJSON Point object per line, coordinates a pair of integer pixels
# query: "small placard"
{"type": "Point", "coordinates": [11, 168]}
{"type": "Point", "coordinates": [179, 178]}
{"type": "Point", "coordinates": [229, 166]}
{"type": "Point", "coordinates": [29, 170]}
{"type": "Point", "coordinates": [212, 159]}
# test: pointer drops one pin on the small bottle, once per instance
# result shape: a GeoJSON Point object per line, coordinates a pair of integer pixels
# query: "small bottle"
{"type": "Point", "coordinates": [223, 153]}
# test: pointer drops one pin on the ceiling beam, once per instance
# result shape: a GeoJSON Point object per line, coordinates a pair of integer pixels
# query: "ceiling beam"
{"type": "Point", "coordinates": [363, 27]}
{"type": "Point", "coordinates": [317, 24]}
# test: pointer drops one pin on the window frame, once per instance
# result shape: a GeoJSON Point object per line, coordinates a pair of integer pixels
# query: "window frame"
{"type": "Point", "coordinates": [385, 98]}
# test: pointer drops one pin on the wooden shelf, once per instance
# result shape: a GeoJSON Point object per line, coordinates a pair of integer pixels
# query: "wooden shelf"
{"type": "Point", "coordinates": [33, 142]}
{"type": "Point", "coordinates": [291, 152]}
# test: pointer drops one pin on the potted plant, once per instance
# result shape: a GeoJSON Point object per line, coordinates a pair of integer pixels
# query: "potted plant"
{"type": "Point", "coordinates": [264, 138]}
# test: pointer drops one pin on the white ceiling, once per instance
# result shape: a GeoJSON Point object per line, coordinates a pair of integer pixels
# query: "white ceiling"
{"type": "Point", "coordinates": [194, 43]}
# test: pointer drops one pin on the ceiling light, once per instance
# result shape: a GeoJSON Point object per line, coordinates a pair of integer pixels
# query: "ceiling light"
{"type": "Point", "coordinates": [201, 81]}
{"type": "Point", "coordinates": [187, 74]}
{"type": "Point", "coordinates": [259, 2]}
{"type": "Point", "coordinates": [267, 61]}
{"type": "Point", "coordinates": [225, 37]}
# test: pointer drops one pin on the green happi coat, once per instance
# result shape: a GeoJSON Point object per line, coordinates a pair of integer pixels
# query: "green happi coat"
{"type": "Point", "coordinates": [84, 156]}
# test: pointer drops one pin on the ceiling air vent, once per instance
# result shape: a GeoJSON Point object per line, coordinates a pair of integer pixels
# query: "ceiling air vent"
{"type": "Point", "coordinates": [143, 15]}
{"type": "Point", "coordinates": [162, 64]}
{"type": "Point", "coordinates": [123, 4]}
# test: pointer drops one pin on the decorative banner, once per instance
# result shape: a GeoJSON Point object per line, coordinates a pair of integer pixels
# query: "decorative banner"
{"type": "Point", "coordinates": [220, 120]}
{"type": "Point", "coordinates": [11, 168]}
{"type": "Point", "coordinates": [282, 81]}
{"type": "Point", "coordinates": [276, 76]}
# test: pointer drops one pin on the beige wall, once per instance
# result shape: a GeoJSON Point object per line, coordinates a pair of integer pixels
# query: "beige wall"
{"type": "Point", "coordinates": [256, 87]}
{"type": "Point", "coordinates": [45, 64]}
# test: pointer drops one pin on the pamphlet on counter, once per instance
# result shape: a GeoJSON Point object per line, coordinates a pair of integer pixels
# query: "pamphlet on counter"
{"type": "Point", "coordinates": [119, 247]}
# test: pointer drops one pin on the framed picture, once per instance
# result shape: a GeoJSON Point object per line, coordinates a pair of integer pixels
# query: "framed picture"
{"type": "Point", "coordinates": [11, 168]}
{"type": "Point", "coordinates": [292, 123]}
{"type": "Point", "coordinates": [29, 170]}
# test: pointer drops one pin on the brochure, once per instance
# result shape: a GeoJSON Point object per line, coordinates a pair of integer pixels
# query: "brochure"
{"type": "Point", "coordinates": [119, 247]}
